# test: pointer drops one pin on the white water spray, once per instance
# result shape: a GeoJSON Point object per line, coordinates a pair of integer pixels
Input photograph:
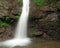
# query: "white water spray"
{"type": "Point", "coordinates": [20, 38]}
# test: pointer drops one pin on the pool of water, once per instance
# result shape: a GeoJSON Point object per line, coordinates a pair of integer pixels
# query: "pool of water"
{"type": "Point", "coordinates": [38, 43]}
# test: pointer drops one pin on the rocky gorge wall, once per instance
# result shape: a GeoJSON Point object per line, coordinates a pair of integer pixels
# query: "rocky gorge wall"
{"type": "Point", "coordinates": [44, 20]}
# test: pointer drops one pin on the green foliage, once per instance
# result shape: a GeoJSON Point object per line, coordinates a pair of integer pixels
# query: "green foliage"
{"type": "Point", "coordinates": [5, 18]}
{"type": "Point", "coordinates": [3, 24]}
{"type": "Point", "coordinates": [40, 2]}
{"type": "Point", "coordinates": [17, 17]}
{"type": "Point", "coordinates": [58, 5]}
{"type": "Point", "coordinates": [20, 2]}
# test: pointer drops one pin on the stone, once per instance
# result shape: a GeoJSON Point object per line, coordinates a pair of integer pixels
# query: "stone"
{"type": "Point", "coordinates": [52, 17]}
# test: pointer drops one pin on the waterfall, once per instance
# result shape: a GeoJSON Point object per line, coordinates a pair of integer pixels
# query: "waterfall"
{"type": "Point", "coordinates": [20, 38]}
{"type": "Point", "coordinates": [21, 30]}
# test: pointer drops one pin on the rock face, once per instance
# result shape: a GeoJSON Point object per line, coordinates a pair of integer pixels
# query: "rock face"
{"type": "Point", "coordinates": [44, 20]}
{"type": "Point", "coordinates": [6, 33]}
{"type": "Point", "coordinates": [8, 8]}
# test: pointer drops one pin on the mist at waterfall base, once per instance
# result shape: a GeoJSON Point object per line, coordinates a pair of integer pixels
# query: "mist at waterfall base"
{"type": "Point", "coordinates": [20, 38]}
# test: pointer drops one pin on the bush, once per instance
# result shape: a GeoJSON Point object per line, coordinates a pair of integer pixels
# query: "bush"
{"type": "Point", "coordinates": [17, 17]}
{"type": "Point", "coordinates": [40, 2]}
{"type": "Point", "coordinates": [3, 24]}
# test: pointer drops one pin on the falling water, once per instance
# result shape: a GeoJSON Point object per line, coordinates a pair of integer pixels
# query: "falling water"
{"type": "Point", "coordinates": [20, 38]}
{"type": "Point", "coordinates": [21, 30]}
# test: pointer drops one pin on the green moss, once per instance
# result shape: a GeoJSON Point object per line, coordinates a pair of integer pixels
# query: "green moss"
{"type": "Point", "coordinates": [40, 2]}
